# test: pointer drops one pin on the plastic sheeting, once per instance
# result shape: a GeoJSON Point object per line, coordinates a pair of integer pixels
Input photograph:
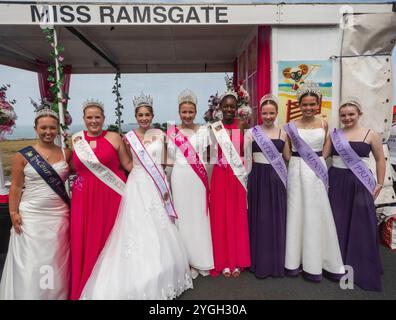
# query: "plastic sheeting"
{"type": "Point", "coordinates": [366, 67]}
{"type": "Point", "coordinates": [366, 73]}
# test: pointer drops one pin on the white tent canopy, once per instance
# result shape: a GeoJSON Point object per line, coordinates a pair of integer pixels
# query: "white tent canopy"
{"type": "Point", "coordinates": [102, 36]}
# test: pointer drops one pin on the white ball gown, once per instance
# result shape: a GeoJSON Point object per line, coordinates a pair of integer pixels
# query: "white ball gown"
{"type": "Point", "coordinates": [144, 256]}
{"type": "Point", "coordinates": [37, 266]}
{"type": "Point", "coordinates": [189, 196]}
{"type": "Point", "coordinates": [311, 236]}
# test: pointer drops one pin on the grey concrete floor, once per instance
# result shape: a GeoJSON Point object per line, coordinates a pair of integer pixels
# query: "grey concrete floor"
{"type": "Point", "coordinates": [248, 287]}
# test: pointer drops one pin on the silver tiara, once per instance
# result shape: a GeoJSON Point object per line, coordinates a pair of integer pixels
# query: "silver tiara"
{"type": "Point", "coordinates": [230, 89]}
{"type": "Point", "coordinates": [142, 100]}
{"type": "Point", "coordinates": [308, 87]}
{"type": "Point", "coordinates": [93, 103]}
{"type": "Point", "coordinates": [187, 96]}
{"type": "Point", "coordinates": [269, 97]}
{"type": "Point", "coordinates": [43, 109]}
{"type": "Point", "coordinates": [353, 101]}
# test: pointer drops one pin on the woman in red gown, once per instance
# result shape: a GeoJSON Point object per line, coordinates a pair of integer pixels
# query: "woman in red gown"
{"type": "Point", "coordinates": [228, 202]}
{"type": "Point", "coordinates": [94, 204]}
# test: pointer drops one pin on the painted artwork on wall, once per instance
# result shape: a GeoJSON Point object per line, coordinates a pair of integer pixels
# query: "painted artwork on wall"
{"type": "Point", "coordinates": [291, 75]}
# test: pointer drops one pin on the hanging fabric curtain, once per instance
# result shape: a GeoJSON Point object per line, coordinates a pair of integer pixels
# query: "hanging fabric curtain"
{"type": "Point", "coordinates": [42, 72]}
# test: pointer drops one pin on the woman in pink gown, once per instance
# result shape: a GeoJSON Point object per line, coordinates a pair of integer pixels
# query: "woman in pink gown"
{"type": "Point", "coordinates": [228, 207]}
{"type": "Point", "coordinates": [94, 203]}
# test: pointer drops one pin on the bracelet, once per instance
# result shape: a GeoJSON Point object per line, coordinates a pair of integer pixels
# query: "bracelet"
{"type": "Point", "coordinates": [380, 185]}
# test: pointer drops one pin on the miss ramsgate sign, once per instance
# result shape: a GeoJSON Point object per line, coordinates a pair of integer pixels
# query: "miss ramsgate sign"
{"type": "Point", "coordinates": [98, 14]}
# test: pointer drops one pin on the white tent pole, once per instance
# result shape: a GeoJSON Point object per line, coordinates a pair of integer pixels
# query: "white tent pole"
{"type": "Point", "coordinates": [60, 106]}
{"type": "Point", "coordinates": [60, 94]}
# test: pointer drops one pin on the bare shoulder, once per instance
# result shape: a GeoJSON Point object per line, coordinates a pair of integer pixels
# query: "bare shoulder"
{"type": "Point", "coordinates": [373, 136]}
{"type": "Point", "coordinates": [283, 134]}
{"type": "Point", "coordinates": [113, 135]}
{"type": "Point", "coordinates": [19, 160]}
{"type": "Point", "coordinates": [68, 153]}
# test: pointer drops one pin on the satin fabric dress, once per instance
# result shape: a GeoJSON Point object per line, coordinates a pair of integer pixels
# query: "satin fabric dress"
{"type": "Point", "coordinates": [37, 266]}
{"type": "Point", "coordinates": [94, 210]}
{"type": "Point", "coordinates": [144, 257]}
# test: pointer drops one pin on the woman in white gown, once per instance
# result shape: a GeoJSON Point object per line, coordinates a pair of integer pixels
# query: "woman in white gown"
{"type": "Point", "coordinates": [189, 189]}
{"type": "Point", "coordinates": [144, 256]}
{"type": "Point", "coordinates": [311, 237]}
{"type": "Point", "coordinates": [37, 266]}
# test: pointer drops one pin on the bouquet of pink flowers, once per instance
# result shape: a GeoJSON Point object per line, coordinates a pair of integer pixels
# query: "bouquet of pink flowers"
{"type": "Point", "coordinates": [213, 113]}
{"type": "Point", "coordinates": [244, 112]}
{"type": "Point", "coordinates": [7, 113]}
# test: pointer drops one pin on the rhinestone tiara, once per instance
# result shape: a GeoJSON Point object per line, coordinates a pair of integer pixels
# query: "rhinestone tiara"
{"type": "Point", "coordinates": [93, 103]}
{"type": "Point", "coordinates": [353, 101]}
{"type": "Point", "coordinates": [269, 97]}
{"type": "Point", "coordinates": [230, 89]}
{"type": "Point", "coordinates": [142, 100]}
{"type": "Point", "coordinates": [187, 96]}
{"type": "Point", "coordinates": [308, 87]}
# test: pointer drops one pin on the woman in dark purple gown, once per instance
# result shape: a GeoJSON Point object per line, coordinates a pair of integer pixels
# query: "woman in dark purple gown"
{"type": "Point", "coordinates": [266, 198]}
{"type": "Point", "coordinates": [353, 204]}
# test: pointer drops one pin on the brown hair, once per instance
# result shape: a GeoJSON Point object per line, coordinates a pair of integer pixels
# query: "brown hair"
{"type": "Point", "coordinates": [93, 106]}
{"type": "Point", "coordinates": [351, 105]}
{"type": "Point", "coordinates": [189, 103]}
{"type": "Point", "coordinates": [149, 108]}
{"type": "Point", "coordinates": [269, 101]}
{"type": "Point", "coordinates": [46, 115]}
{"type": "Point", "coordinates": [309, 94]}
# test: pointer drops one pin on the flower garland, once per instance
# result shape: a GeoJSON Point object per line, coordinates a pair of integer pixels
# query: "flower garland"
{"type": "Point", "coordinates": [54, 83]}
{"type": "Point", "coordinates": [118, 111]}
{"type": "Point", "coordinates": [7, 113]}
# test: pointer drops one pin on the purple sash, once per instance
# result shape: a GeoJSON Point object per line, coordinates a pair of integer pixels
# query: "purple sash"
{"type": "Point", "coordinates": [352, 160]}
{"type": "Point", "coordinates": [270, 152]}
{"type": "Point", "coordinates": [307, 154]}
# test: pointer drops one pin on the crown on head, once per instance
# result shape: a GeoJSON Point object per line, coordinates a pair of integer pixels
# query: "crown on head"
{"type": "Point", "coordinates": [187, 96]}
{"type": "Point", "coordinates": [230, 89]}
{"type": "Point", "coordinates": [93, 103]}
{"type": "Point", "coordinates": [308, 87]}
{"type": "Point", "coordinates": [43, 108]}
{"type": "Point", "coordinates": [269, 97]}
{"type": "Point", "coordinates": [142, 100]}
{"type": "Point", "coordinates": [355, 101]}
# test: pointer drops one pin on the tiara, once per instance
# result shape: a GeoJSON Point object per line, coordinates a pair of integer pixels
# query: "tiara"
{"type": "Point", "coordinates": [308, 87]}
{"type": "Point", "coordinates": [269, 97]}
{"type": "Point", "coordinates": [93, 103]}
{"type": "Point", "coordinates": [187, 96]}
{"type": "Point", "coordinates": [142, 100]}
{"type": "Point", "coordinates": [353, 101]}
{"type": "Point", "coordinates": [43, 109]}
{"type": "Point", "coordinates": [230, 89]}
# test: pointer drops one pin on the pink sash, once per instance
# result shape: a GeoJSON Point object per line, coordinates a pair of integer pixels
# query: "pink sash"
{"type": "Point", "coordinates": [192, 157]}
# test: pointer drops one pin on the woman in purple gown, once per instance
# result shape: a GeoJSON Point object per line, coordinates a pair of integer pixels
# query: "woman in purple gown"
{"type": "Point", "coordinates": [351, 201]}
{"type": "Point", "coordinates": [266, 196]}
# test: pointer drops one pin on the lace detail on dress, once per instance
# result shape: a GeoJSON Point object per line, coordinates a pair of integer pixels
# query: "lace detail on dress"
{"type": "Point", "coordinates": [131, 247]}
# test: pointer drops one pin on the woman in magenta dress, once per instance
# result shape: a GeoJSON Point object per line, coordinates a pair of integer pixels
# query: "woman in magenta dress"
{"type": "Point", "coordinates": [228, 208]}
{"type": "Point", "coordinates": [94, 203]}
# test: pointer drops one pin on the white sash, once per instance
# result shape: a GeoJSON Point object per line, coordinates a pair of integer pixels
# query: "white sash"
{"type": "Point", "coordinates": [153, 171]}
{"type": "Point", "coordinates": [89, 159]}
{"type": "Point", "coordinates": [228, 149]}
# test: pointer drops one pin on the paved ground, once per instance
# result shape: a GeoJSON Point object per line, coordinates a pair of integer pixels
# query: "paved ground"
{"type": "Point", "coordinates": [247, 287]}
